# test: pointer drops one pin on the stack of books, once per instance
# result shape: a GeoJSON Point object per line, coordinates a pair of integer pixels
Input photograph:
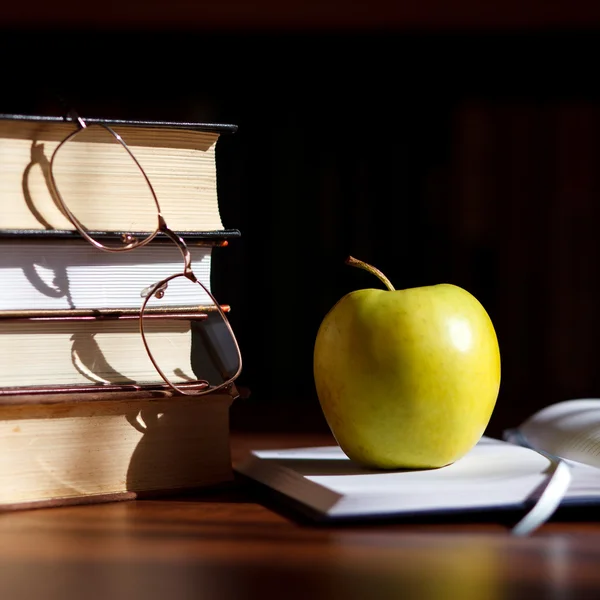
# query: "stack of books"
{"type": "Point", "coordinates": [85, 415]}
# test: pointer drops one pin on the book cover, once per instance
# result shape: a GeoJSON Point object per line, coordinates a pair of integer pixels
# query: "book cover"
{"type": "Point", "coordinates": [199, 126]}
{"type": "Point", "coordinates": [218, 237]}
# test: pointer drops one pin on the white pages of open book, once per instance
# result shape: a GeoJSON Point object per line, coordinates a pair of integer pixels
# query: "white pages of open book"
{"type": "Point", "coordinates": [494, 475]}
{"type": "Point", "coordinates": [569, 430]}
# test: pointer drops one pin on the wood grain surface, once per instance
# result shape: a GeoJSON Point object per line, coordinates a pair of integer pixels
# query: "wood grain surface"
{"type": "Point", "coordinates": [234, 542]}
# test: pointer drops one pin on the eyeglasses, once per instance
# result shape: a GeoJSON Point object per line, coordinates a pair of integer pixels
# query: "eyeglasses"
{"type": "Point", "coordinates": [78, 178]}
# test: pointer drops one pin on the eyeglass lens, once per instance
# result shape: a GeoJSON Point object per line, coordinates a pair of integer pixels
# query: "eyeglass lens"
{"type": "Point", "coordinates": [103, 187]}
{"type": "Point", "coordinates": [211, 351]}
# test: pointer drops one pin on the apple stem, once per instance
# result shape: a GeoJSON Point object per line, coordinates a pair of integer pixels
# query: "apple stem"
{"type": "Point", "coordinates": [354, 262]}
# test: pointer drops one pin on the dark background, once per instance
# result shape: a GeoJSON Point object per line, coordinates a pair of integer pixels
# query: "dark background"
{"type": "Point", "coordinates": [437, 149]}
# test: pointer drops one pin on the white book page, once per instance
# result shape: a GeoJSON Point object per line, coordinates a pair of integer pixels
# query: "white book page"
{"type": "Point", "coordinates": [72, 275]}
{"type": "Point", "coordinates": [569, 429]}
{"type": "Point", "coordinates": [493, 474]}
{"type": "Point", "coordinates": [585, 482]}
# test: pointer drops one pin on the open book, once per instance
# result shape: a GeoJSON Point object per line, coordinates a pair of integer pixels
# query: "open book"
{"type": "Point", "coordinates": [552, 459]}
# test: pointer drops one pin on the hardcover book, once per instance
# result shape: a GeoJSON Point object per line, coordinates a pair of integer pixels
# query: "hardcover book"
{"type": "Point", "coordinates": [179, 159]}
{"type": "Point", "coordinates": [44, 273]}
{"type": "Point", "coordinates": [105, 347]}
{"type": "Point", "coordinates": [98, 446]}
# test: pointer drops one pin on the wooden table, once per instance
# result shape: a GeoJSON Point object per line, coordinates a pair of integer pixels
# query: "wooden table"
{"type": "Point", "coordinates": [229, 543]}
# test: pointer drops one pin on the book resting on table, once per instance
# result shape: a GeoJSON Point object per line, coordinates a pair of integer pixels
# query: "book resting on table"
{"type": "Point", "coordinates": [511, 474]}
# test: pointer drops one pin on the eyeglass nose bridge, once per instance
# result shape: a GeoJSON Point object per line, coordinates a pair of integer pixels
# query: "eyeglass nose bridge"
{"type": "Point", "coordinates": [179, 242]}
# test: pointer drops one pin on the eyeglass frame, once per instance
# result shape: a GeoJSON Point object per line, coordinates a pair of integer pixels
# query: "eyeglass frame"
{"type": "Point", "coordinates": [132, 243]}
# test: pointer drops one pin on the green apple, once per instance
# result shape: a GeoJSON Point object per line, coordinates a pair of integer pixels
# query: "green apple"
{"type": "Point", "coordinates": [407, 378]}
